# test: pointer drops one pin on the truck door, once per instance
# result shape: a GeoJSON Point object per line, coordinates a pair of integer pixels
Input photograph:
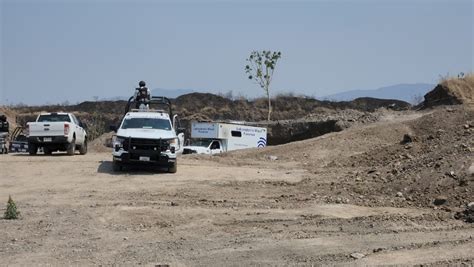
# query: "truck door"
{"type": "Point", "coordinates": [80, 134]}
{"type": "Point", "coordinates": [216, 147]}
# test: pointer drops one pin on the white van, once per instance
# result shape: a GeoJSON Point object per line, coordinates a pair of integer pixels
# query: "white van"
{"type": "Point", "coordinates": [218, 137]}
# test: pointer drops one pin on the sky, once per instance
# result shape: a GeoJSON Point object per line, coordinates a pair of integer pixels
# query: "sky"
{"type": "Point", "coordinates": [71, 50]}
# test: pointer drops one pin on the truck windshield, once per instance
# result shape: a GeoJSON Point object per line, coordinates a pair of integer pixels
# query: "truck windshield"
{"type": "Point", "coordinates": [54, 118]}
{"type": "Point", "coordinates": [146, 123]}
{"type": "Point", "coordinates": [203, 143]}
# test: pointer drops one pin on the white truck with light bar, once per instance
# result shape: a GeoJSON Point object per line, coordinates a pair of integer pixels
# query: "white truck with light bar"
{"type": "Point", "coordinates": [147, 136]}
{"type": "Point", "coordinates": [218, 137]}
{"type": "Point", "coordinates": [56, 132]}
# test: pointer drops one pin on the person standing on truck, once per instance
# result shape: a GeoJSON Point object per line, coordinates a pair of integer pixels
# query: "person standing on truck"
{"type": "Point", "coordinates": [4, 126]}
{"type": "Point", "coordinates": [142, 96]}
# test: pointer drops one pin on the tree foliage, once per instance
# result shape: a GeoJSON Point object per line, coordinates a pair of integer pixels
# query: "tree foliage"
{"type": "Point", "coordinates": [260, 68]}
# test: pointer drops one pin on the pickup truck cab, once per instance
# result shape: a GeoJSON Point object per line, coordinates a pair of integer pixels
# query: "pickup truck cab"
{"type": "Point", "coordinates": [56, 132]}
{"type": "Point", "coordinates": [146, 137]}
{"type": "Point", "coordinates": [204, 146]}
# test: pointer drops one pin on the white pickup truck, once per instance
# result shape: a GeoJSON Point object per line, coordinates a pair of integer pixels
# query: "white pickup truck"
{"type": "Point", "coordinates": [56, 132]}
{"type": "Point", "coordinates": [148, 136]}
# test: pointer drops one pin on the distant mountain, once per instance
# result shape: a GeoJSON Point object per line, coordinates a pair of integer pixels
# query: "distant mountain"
{"type": "Point", "coordinates": [405, 92]}
{"type": "Point", "coordinates": [170, 93]}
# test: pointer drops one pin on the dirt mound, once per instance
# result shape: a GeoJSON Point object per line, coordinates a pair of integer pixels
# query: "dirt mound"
{"type": "Point", "coordinates": [431, 168]}
{"type": "Point", "coordinates": [102, 143]}
{"type": "Point", "coordinates": [371, 166]}
{"type": "Point", "coordinates": [451, 92]}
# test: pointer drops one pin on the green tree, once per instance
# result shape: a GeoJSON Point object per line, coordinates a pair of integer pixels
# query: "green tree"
{"type": "Point", "coordinates": [260, 68]}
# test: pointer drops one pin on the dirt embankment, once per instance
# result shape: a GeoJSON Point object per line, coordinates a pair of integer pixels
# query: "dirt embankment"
{"type": "Point", "coordinates": [373, 166]}
{"type": "Point", "coordinates": [295, 118]}
{"type": "Point", "coordinates": [451, 91]}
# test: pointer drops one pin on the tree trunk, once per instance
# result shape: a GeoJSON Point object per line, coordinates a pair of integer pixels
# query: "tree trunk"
{"type": "Point", "coordinates": [269, 105]}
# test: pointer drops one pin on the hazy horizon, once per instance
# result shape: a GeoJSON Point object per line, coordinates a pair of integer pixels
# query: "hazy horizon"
{"type": "Point", "coordinates": [55, 51]}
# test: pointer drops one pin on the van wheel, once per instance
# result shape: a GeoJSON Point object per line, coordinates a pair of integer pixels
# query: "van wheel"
{"type": "Point", "coordinates": [83, 148]}
{"type": "Point", "coordinates": [71, 148]}
{"type": "Point", "coordinates": [117, 167]}
{"type": "Point", "coordinates": [173, 168]}
{"type": "Point", "coordinates": [47, 151]}
{"type": "Point", "coordinates": [32, 149]}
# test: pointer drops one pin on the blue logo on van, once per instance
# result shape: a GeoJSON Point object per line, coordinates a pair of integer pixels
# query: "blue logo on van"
{"type": "Point", "coordinates": [262, 142]}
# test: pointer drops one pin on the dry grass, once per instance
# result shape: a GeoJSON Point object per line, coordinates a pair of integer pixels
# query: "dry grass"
{"type": "Point", "coordinates": [461, 87]}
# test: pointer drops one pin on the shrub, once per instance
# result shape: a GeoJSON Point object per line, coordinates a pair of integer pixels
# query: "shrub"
{"type": "Point", "coordinates": [11, 213]}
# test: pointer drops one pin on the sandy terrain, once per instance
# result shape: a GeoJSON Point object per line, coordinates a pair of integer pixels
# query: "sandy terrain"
{"type": "Point", "coordinates": [235, 209]}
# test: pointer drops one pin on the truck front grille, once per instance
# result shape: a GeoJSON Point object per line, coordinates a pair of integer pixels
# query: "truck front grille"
{"type": "Point", "coordinates": [145, 144]}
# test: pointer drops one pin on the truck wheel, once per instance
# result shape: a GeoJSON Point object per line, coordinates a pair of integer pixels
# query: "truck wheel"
{"type": "Point", "coordinates": [71, 148]}
{"type": "Point", "coordinates": [173, 168]}
{"type": "Point", "coordinates": [83, 148]}
{"type": "Point", "coordinates": [32, 149]}
{"type": "Point", "coordinates": [47, 151]}
{"type": "Point", "coordinates": [117, 167]}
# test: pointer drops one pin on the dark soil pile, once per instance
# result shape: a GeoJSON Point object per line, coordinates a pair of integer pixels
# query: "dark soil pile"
{"type": "Point", "coordinates": [451, 92]}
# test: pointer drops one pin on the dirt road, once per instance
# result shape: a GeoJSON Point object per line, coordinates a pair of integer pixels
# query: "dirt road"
{"type": "Point", "coordinates": [321, 202]}
{"type": "Point", "coordinates": [76, 211]}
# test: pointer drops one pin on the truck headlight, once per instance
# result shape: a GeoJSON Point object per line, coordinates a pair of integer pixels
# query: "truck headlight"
{"type": "Point", "coordinates": [117, 142]}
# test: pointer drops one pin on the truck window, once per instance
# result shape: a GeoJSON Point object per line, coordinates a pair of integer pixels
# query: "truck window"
{"type": "Point", "coordinates": [146, 123]}
{"type": "Point", "coordinates": [54, 118]}
{"type": "Point", "coordinates": [236, 133]}
{"type": "Point", "coordinates": [203, 143]}
{"type": "Point", "coordinates": [215, 145]}
{"type": "Point", "coordinates": [74, 119]}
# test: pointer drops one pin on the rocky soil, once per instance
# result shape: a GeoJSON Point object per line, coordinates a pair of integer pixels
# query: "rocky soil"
{"type": "Point", "coordinates": [395, 191]}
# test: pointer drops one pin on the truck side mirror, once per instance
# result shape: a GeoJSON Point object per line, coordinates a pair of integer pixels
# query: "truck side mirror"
{"type": "Point", "coordinates": [113, 128]}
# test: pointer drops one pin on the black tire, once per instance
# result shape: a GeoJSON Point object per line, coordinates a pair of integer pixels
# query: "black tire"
{"type": "Point", "coordinates": [173, 168]}
{"type": "Point", "coordinates": [116, 166]}
{"type": "Point", "coordinates": [71, 148]}
{"type": "Point", "coordinates": [32, 149]}
{"type": "Point", "coordinates": [83, 148]}
{"type": "Point", "coordinates": [47, 151]}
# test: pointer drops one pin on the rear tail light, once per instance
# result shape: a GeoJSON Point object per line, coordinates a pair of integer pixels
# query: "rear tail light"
{"type": "Point", "coordinates": [66, 129]}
